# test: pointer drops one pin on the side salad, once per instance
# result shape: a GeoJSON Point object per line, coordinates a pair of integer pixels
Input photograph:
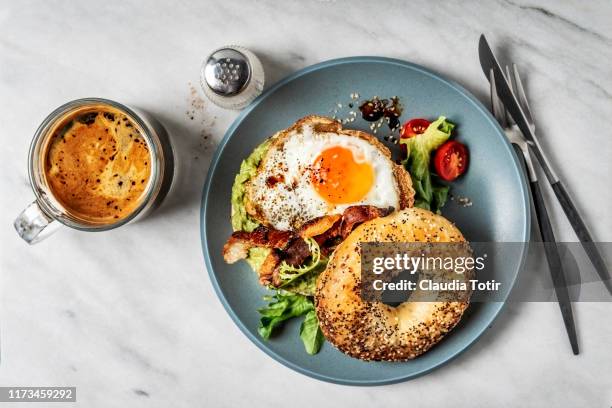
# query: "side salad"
{"type": "Point", "coordinates": [421, 141]}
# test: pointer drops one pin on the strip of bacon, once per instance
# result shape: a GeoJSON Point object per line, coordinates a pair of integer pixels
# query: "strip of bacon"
{"type": "Point", "coordinates": [318, 225]}
{"type": "Point", "coordinates": [297, 251]}
{"type": "Point", "coordinates": [238, 245]}
{"type": "Point", "coordinates": [358, 214]}
{"type": "Point", "coordinates": [269, 265]}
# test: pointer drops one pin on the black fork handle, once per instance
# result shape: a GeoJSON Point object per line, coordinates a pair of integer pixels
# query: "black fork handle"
{"type": "Point", "coordinates": [583, 233]}
{"type": "Point", "coordinates": [555, 265]}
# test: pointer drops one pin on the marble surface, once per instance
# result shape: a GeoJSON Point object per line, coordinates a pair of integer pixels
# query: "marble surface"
{"type": "Point", "coordinates": [130, 318]}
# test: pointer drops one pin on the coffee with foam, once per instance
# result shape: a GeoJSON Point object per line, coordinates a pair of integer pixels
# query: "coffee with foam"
{"type": "Point", "coordinates": [97, 164]}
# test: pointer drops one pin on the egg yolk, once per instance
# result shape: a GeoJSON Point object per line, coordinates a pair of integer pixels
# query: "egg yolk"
{"type": "Point", "coordinates": [338, 178]}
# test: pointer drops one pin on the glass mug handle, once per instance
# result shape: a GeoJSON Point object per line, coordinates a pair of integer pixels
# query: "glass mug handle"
{"type": "Point", "coordinates": [31, 223]}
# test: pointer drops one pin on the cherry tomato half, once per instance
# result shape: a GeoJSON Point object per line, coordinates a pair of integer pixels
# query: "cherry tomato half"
{"type": "Point", "coordinates": [451, 160]}
{"type": "Point", "coordinates": [414, 127]}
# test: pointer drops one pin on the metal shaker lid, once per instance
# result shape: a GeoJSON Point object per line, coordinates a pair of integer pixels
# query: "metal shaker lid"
{"type": "Point", "coordinates": [226, 71]}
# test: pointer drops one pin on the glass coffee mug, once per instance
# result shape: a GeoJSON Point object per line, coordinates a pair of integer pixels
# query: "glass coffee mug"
{"type": "Point", "coordinates": [94, 165]}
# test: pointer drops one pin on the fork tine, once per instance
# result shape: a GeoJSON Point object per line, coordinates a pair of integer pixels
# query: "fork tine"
{"type": "Point", "coordinates": [509, 78]}
{"type": "Point", "coordinates": [513, 89]}
{"type": "Point", "coordinates": [496, 106]}
{"type": "Point", "coordinates": [521, 95]}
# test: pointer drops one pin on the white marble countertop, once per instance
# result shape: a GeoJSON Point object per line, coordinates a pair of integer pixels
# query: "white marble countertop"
{"type": "Point", "coordinates": [130, 317]}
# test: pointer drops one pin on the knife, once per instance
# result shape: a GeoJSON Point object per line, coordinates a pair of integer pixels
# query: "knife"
{"type": "Point", "coordinates": [488, 62]}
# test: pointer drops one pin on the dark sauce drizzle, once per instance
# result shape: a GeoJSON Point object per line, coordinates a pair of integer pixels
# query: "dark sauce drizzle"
{"type": "Point", "coordinates": [374, 109]}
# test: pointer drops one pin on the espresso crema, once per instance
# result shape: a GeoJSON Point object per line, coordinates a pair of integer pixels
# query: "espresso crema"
{"type": "Point", "coordinates": [97, 164]}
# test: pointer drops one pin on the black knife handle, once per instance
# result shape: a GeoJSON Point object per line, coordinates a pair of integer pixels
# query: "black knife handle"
{"type": "Point", "coordinates": [555, 265]}
{"type": "Point", "coordinates": [583, 233]}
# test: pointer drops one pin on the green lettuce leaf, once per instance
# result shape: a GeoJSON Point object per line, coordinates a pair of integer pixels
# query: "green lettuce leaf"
{"type": "Point", "coordinates": [282, 307]}
{"type": "Point", "coordinates": [440, 196]}
{"type": "Point", "coordinates": [311, 333]}
{"type": "Point", "coordinates": [307, 283]}
{"type": "Point", "coordinates": [429, 194]}
{"type": "Point", "coordinates": [289, 275]}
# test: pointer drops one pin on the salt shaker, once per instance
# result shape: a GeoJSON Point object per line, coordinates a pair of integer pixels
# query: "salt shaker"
{"type": "Point", "coordinates": [232, 77]}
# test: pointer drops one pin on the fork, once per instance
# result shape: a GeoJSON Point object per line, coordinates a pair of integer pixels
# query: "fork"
{"type": "Point", "coordinates": [548, 237]}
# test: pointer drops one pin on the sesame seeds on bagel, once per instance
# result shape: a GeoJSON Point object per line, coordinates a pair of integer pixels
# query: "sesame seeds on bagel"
{"type": "Point", "coordinates": [374, 330]}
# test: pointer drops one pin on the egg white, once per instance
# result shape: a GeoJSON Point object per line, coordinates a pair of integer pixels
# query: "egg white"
{"type": "Point", "coordinates": [288, 203]}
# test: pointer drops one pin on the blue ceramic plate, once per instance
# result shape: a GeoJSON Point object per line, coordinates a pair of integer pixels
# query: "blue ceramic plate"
{"type": "Point", "coordinates": [494, 183]}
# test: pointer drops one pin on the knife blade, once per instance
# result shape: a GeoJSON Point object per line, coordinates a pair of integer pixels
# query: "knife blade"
{"type": "Point", "coordinates": [488, 62]}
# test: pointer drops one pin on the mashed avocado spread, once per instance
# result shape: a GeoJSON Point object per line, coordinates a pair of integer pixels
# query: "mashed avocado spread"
{"type": "Point", "coordinates": [241, 220]}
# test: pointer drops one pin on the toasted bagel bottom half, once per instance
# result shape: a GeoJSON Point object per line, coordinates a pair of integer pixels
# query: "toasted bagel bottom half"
{"type": "Point", "coordinates": [374, 330]}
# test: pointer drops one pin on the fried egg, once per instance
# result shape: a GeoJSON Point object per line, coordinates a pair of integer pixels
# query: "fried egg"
{"type": "Point", "coordinates": [312, 170]}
